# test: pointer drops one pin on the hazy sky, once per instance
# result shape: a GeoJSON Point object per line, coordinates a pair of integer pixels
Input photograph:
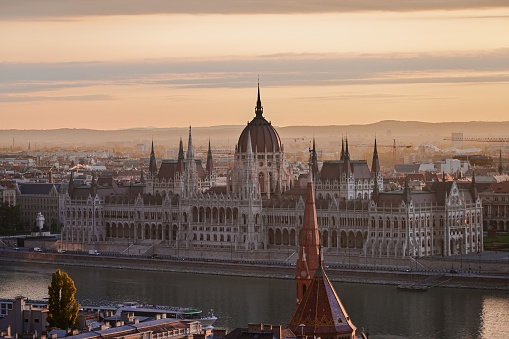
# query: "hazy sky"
{"type": "Point", "coordinates": [109, 64]}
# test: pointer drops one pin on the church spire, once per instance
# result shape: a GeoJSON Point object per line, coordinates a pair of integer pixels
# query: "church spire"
{"type": "Point", "coordinates": [152, 166]}
{"type": "Point", "coordinates": [309, 243]}
{"type": "Point", "coordinates": [259, 107]}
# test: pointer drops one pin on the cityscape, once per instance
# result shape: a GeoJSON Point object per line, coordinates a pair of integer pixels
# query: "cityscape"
{"type": "Point", "coordinates": [366, 196]}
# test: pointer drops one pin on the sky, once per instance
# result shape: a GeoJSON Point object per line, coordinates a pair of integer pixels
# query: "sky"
{"type": "Point", "coordinates": [116, 64]}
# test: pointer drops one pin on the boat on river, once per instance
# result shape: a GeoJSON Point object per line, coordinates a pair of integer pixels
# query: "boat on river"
{"type": "Point", "coordinates": [128, 311]}
{"type": "Point", "coordinates": [134, 309]}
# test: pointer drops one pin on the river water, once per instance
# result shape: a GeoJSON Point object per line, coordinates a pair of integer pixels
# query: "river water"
{"type": "Point", "coordinates": [237, 301]}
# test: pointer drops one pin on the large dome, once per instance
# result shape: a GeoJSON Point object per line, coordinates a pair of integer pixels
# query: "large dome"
{"type": "Point", "coordinates": [264, 137]}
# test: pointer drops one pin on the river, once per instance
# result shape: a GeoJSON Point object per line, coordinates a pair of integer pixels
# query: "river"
{"type": "Point", "coordinates": [381, 309]}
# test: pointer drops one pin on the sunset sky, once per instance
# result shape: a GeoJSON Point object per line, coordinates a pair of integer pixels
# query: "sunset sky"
{"type": "Point", "coordinates": [114, 64]}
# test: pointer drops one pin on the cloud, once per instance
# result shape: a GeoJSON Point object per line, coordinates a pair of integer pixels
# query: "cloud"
{"type": "Point", "coordinates": [28, 98]}
{"type": "Point", "coordinates": [274, 70]}
{"type": "Point", "coordinates": [55, 9]}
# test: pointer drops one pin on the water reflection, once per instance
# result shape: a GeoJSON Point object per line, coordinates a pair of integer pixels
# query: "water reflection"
{"type": "Point", "coordinates": [383, 310]}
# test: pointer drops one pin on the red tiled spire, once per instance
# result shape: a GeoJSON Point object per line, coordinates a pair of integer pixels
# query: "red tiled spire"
{"type": "Point", "coordinates": [309, 245]}
{"type": "Point", "coordinates": [321, 313]}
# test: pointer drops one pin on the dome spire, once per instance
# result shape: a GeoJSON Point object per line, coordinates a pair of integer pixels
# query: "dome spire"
{"type": "Point", "coordinates": [259, 107]}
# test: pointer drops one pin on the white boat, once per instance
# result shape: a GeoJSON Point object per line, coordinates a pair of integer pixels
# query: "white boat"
{"type": "Point", "coordinates": [133, 309]}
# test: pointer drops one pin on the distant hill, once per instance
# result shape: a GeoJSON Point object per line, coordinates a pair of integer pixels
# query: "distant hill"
{"type": "Point", "coordinates": [227, 136]}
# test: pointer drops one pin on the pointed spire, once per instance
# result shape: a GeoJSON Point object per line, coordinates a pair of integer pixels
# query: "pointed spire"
{"type": "Point", "coordinates": [314, 161]}
{"type": "Point", "coordinates": [181, 150]}
{"type": "Point", "coordinates": [347, 153]}
{"type": "Point", "coordinates": [342, 157]}
{"type": "Point", "coordinates": [210, 163]}
{"type": "Point", "coordinates": [152, 166]}
{"type": "Point", "coordinates": [375, 164]}
{"type": "Point", "coordinates": [249, 149]}
{"type": "Point", "coordinates": [190, 150]}
{"type": "Point", "coordinates": [309, 244]}
{"type": "Point", "coordinates": [259, 107]}
{"type": "Point", "coordinates": [321, 313]}
{"type": "Point", "coordinates": [346, 159]}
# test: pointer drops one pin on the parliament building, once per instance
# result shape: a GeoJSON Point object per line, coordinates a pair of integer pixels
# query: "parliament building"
{"type": "Point", "coordinates": [178, 209]}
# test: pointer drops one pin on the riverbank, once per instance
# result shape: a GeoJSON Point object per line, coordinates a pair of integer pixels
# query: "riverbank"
{"type": "Point", "coordinates": [245, 269]}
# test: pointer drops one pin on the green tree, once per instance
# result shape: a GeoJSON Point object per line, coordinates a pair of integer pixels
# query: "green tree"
{"type": "Point", "coordinates": [10, 219]}
{"type": "Point", "coordinates": [63, 308]}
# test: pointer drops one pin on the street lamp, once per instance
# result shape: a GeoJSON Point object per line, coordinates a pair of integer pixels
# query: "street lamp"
{"type": "Point", "coordinates": [302, 329]}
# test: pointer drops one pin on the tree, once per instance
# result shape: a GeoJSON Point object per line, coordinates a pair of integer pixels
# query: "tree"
{"type": "Point", "coordinates": [63, 308]}
{"type": "Point", "coordinates": [10, 217]}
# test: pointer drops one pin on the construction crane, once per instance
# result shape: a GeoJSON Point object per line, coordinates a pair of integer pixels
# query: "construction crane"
{"type": "Point", "coordinates": [393, 146]}
{"type": "Point", "coordinates": [479, 139]}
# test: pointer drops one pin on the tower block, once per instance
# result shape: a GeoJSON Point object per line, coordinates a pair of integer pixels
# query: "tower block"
{"type": "Point", "coordinates": [309, 246]}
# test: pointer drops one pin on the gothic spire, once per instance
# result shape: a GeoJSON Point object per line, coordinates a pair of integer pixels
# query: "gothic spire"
{"type": "Point", "coordinates": [314, 161]}
{"type": "Point", "coordinates": [181, 150]}
{"type": "Point", "coordinates": [342, 157]}
{"type": "Point", "coordinates": [210, 163]}
{"type": "Point", "coordinates": [375, 164]}
{"type": "Point", "coordinates": [309, 243]}
{"type": "Point", "coordinates": [152, 166]}
{"type": "Point", "coordinates": [190, 150]}
{"type": "Point", "coordinates": [259, 107]}
{"type": "Point", "coordinates": [346, 159]}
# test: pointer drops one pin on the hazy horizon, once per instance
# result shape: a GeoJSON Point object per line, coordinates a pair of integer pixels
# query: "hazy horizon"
{"type": "Point", "coordinates": [123, 64]}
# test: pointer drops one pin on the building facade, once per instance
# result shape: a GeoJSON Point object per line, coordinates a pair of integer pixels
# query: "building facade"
{"type": "Point", "coordinates": [261, 208]}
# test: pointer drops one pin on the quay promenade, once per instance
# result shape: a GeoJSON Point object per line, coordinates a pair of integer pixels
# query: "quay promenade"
{"type": "Point", "coordinates": [484, 279]}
